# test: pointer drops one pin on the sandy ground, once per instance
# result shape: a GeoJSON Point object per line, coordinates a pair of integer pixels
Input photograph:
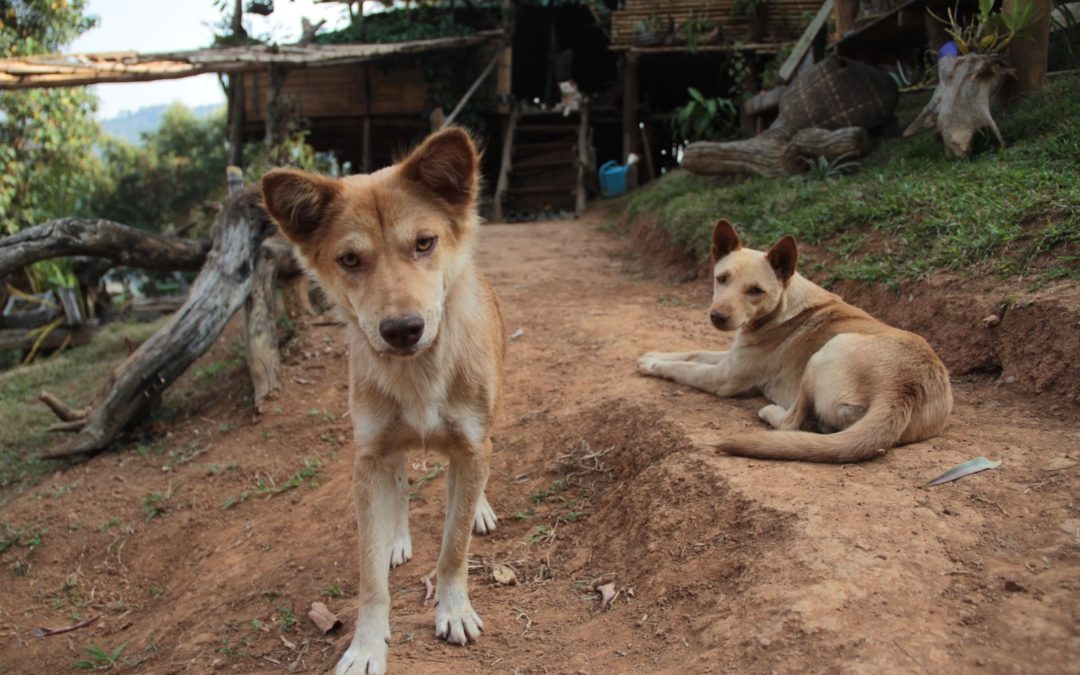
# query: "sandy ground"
{"type": "Point", "coordinates": [720, 564]}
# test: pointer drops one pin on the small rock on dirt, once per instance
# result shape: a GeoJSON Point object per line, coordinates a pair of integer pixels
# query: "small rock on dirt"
{"type": "Point", "coordinates": [323, 617]}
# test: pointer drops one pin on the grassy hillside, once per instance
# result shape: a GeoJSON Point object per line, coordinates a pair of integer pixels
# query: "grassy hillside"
{"type": "Point", "coordinates": [906, 210]}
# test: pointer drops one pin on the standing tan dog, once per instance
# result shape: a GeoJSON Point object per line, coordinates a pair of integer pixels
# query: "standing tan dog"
{"type": "Point", "coordinates": [394, 250]}
{"type": "Point", "coordinates": [813, 356]}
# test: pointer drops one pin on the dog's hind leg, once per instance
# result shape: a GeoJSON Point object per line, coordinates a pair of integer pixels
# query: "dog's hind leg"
{"type": "Point", "coordinates": [485, 521]}
{"type": "Point", "coordinates": [455, 619]}
{"type": "Point", "coordinates": [375, 492]}
{"type": "Point", "coordinates": [401, 552]}
{"type": "Point", "coordinates": [791, 419]}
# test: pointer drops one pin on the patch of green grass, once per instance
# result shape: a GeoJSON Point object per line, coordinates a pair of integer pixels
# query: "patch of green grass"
{"type": "Point", "coordinates": [154, 503]}
{"type": "Point", "coordinates": [215, 368]}
{"type": "Point", "coordinates": [28, 537]}
{"type": "Point", "coordinates": [265, 485]}
{"type": "Point", "coordinates": [288, 619]}
{"type": "Point", "coordinates": [74, 375]}
{"type": "Point", "coordinates": [99, 658]}
{"type": "Point", "coordinates": [907, 211]}
{"type": "Point", "coordinates": [332, 590]}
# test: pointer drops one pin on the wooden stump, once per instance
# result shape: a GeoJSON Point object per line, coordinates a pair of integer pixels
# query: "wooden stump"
{"type": "Point", "coordinates": [960, 107]}
{"type": "Point", "coordinates": [260, 328]}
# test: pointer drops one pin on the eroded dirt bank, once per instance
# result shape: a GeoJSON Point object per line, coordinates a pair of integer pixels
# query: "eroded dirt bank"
{"type": "Point", "coordinates": [722, 564]}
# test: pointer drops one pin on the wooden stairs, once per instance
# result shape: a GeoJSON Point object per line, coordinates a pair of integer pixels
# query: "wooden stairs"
{"type": "Point", "coordinates": [544, 160]}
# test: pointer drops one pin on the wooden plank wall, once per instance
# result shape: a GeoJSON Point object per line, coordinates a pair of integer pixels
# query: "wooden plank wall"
{"type": "Point", "coordinates": [784, 19]}
{"type": "Point", "coordinates": [338, 91]}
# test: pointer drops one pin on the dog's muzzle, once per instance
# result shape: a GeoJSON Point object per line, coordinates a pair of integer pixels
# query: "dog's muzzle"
{"type": "Point", "coordinates": [719, 319]}
{"type": "Point", "coordinates": [402, 332]}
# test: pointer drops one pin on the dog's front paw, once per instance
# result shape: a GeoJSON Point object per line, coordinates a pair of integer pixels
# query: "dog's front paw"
{"type": "Point", "coordinates": [455, 619]}
{"type": "Point", "coordinates": [484, 521]}
{"type": "Point", "coordinates": [647, 364]}
{"type": "Point", "coordinates": [402, 551]}
{"type": "Point", "coordinates": [367, 658]}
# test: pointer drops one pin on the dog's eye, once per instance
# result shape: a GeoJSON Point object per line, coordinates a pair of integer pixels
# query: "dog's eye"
{"type": "Point", "coordinates": [755, 290]}
{"type": "Point", "coordinates": [349, 261]}
{"type": "Point", "coordinates": [722, 278]}
{"type": "Point", "coordinates": [425, 244]}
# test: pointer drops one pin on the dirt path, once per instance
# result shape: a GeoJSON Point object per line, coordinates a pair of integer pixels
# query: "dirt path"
{"type": "Point", "coordinates": [722, 564]}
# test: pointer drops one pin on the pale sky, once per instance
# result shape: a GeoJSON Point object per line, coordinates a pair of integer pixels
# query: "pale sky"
{"type": "Point", "coordinates": [173, 25]}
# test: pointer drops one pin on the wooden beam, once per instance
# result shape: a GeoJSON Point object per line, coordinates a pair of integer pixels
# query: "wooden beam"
{"type": "Point", "coordinates": [809, 37]}
{"type": "Point", "coordinates": [472, 90]}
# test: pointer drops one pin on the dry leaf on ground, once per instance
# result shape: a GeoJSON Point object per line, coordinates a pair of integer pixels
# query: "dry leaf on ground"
{"type": "Point", "coordinates": [607, 594]}
{"type": "Point", "coordinates": [504, 574]}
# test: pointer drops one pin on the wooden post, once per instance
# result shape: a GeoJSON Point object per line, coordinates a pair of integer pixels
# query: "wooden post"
{"type": "Point", "coordinates": [505, 167]}
{"type": "Point", "coordinates": [277, 116]}
{"type": "Point", "coordinates": [504, 83]}
{"type": "Point", "coordinates": [236, 98]}
{"type": "Point", "coordinates": [629, 110]}
{"type": "Point", "coordinates": [365, 157]}
{"type": "Point", "coordinates": [580, 198]}
{"type": "Point", "coordinates": [1028, 53]}
{"type": "Point", "coordinates": [846, 13]}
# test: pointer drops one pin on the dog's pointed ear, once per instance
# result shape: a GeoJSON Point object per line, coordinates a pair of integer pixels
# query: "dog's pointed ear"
{"type": "Point", "coordinates": [724, 239]}
{"type": "Point", "coordinates": [783, 256]}
{"type": "Point", "coordinates": [446, 164]}
{"type": "Point", "coordinates": [298, 200]}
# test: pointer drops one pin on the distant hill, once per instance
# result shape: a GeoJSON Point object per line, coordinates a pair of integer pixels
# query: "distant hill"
{"type": "Point", "coordinates": [130, 124]}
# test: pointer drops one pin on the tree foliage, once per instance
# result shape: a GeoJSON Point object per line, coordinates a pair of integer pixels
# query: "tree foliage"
{"type": "Point", "coordinates": [47, 166]}
{"type": "Point", "coordinates": [163, 183]}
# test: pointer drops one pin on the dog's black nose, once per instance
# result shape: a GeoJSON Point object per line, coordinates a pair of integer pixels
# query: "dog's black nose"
{"type": "Point", "coordinates": [718, 318]}
{"type": "Point", "coordinates": [402, 332]}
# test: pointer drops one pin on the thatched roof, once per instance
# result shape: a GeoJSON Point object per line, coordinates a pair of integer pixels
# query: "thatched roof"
{"type": "Point", "coordinates": [66, 70]}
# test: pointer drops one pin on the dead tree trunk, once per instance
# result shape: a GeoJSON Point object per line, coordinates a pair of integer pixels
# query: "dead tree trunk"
{"type": "Point", "coordinates": [217, 293]}
{"type": "Point", "coordinates": [967, 87]}
{"type": "Point", "coordinates": [769, 154]}
{"type": "Point", "coordinates": [101, 238]}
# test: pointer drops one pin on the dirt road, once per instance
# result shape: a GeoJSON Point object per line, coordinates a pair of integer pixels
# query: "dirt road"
{"type": "Point", "coordinates": [200, 554]}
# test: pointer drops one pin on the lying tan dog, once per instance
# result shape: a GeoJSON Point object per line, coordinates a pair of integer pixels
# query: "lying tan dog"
{"type": "Point", "coordinates": [815, 357]}
{"type": "Point", "coordinates": [394, 251]}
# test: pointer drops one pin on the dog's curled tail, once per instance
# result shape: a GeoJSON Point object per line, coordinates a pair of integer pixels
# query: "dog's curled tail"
{"type": "Point", "coordinates": [871, 436]}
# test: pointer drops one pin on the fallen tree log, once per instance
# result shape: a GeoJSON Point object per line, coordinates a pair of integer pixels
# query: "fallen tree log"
{"type": "Point", "coordinates": [218, 292]}
{"type": "Point", "coordinates": [769, 154]}
{"type": "Point", "coordinates": [61, 336]}
{"type": "Point", "coordinates": [100, 238]}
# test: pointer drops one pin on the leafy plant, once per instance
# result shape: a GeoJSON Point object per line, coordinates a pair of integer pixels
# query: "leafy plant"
{"type": "Point", "coordinates": [694, 29]}
{"type": "Point", "coordinates": [100, 659]}
{"type": "Point", "coordinates": [747, 7]}
{"type": "Point", "coordinates": [704, 119]}
{"type": "Point", "coordinates": [821, 168]}
{"type": "Point", "coordinates": [990, 32]}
